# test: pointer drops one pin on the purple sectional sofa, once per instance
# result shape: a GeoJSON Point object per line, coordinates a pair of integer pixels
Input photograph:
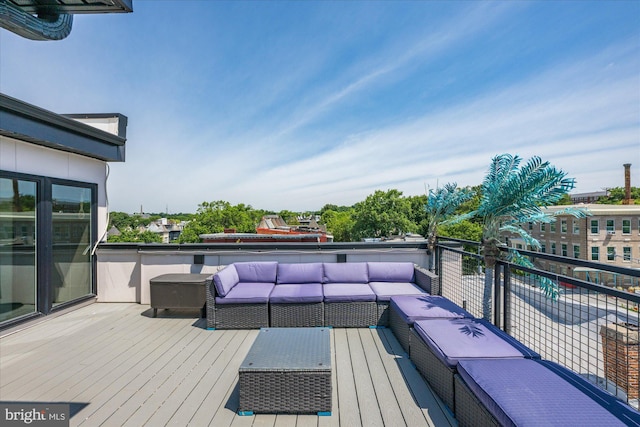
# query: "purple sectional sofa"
{"type": "Point", "coordinates": [248, 295]}
{"type": "Point", "coordinates": [526, 392]}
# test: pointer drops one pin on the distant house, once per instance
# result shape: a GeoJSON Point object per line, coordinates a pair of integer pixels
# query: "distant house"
{"type": "Point", "coordinates": [590, 197]}
{"type": "Point", "coordinates": [272, 228]}
{"type": "Point", "coordinates": [169, 230]}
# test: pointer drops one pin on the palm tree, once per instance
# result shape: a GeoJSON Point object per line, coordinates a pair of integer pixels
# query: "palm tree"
{"type": "Point", "coordinates": [511, 197]}
{"type": "Point", "coordinates": [441, 205]}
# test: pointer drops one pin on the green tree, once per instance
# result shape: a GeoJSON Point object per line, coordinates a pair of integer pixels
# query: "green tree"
{"type": "Point", "coordinates": [382, 214]}
{"type": "Point", "coordinates": [617, 195]}
{"type": "Point", "coordinates": [135, 236]}
{"type": "Point", "coordinates": [513, 196]}
{"type": "Point", "coordinates": [339, 224]}
{"type": "Point", "coordinates": [214, 217]}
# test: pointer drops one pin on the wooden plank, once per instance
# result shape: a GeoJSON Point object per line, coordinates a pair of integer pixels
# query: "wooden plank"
{"type": "Point", "coordinates": [334, 419]}
{"type": "Point", "coordinates": [287, 420]}
{"type": "Point", "coordinates": [367, 401]}
{"type": "Point", "coordinates": [349, 414]}
{"type": "Point", "coordinates": [387, 401]}
{"type": "Point", "coordinates": [434, 410]}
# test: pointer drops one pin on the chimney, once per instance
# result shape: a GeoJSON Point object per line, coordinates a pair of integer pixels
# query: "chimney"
{"type": "Point", "coordinates": [627, 184]}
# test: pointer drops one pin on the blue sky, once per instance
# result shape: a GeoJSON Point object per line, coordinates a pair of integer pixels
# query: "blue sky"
{"type": "Point", "coordinates": [293, 105]}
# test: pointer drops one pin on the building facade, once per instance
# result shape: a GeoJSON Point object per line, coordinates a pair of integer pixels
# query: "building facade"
{"type": "Point", "coordinates": [610, 235]}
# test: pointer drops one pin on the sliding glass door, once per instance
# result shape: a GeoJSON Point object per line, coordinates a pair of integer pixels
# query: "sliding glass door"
{"type": "Point", "coordinates": [18, 244]}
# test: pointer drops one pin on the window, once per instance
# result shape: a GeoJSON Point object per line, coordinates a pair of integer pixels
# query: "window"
{"type": "Point", "coordinates": [611, 226]}
{"type": "Point", "coordinates": [595, 253]}
{"type": "Point", "coordinates": [553, 227]}
{"type": "Point", "coordinates": [530, 226]}
{"type": "Point", "coordinates": [611, 253]}
{"type": "Point", "coordinates": [552, 268]}
{"type": "Point", "coordinates": [564, 249]}
{"type": "Point", "coordinates": [543, 226]}
{"type": "Point", "coordinates": [595, 226]}
{"type": "Point", "coordinates": [543, 248]}
{"type": "Point", "coordinates": [626, 254]}
{"type": "Point", "coordinates": [626, 226]}
{"type": "Point", "coordinates": [576, 226]}
{"type": "Point", "coordinates": [576, 251]}
{"type": "Point", "coordinates": [553, 248]}
{"type": "Point", "coordinates": [563, 225]}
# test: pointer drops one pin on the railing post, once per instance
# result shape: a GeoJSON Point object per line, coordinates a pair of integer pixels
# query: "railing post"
{"type": "Point", "coordinates": [506, 320]}
{"type": "Point", "coordinates": [496, 294]}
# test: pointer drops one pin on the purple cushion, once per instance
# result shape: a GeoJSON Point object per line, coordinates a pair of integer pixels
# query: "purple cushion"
{"type": "Point", "coordinates": [288, 294]}
{"type": "Point", "coordinates": [385, 290]}
{"type": "Point", "coordinates": [390, 271]}
{"type": "Point", "coordinates": [455, 339]}
{"type": "Point", "coordinates": [257, 271]}
{"type": "Point", "coordinates": [353, 272]}
{"type": "Point", "coordinates": [416, 307]}
{"type": "Point", "coordinates": [225, 279]}
{"type": "Point", "coordinates": [248, 293]}
{"type": "Point", "coordinates": [300, 273]}
{"type": "Point", "coordinates": [348, 292]}
{"type": "Point", "coordinates": [530, 392]}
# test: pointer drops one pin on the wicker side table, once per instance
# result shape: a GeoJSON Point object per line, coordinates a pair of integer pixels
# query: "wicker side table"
{"type": "Point", "coordinates": [287, 370]}
{"type": "Point", "coordinates": [179, 291]}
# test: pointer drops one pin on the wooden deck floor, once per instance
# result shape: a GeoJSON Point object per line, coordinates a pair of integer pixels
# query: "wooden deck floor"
{"type": "Point", "coordinates": [117, 366]}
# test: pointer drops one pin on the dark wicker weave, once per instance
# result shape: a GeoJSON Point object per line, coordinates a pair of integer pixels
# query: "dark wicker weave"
{"type": "Point", "coordinates": [469, 411]}
{"type": "Point", "coordinates": [211, 305]}
{"type": "Point", "coordinates": [400, 329]}
{"type": "Point", "coordinates": [383, 313]}
{"type": "Point", "coordinates": [427, 280]}
{"type": "Point", "coordinates": [437, 374]}
{"type": "Point", "coordinates": [287, 370]}
{"type": "Point", "coordinates": [351, 314]}
{"type": "Point", "coordinates": [241, 316]}
{"type": "Point", "coordinates": [297, 315]}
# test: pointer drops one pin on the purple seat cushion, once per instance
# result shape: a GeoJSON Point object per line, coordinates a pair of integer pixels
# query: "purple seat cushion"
{"type": "Point", "coordinates": [248, 293]}
{"type": "Point", "coordinates": [417, 307]}
{"type": "Point", "coordinates": [257, 271]}
{"type": "Point", "coordinates": [385, 290]}
{"type": "Point", "coordinates": [529, 392]}
{"type": "Point", "coordinates": [390, 271]}
{"type": "Point", "coordinates": [348, 292]}
{"type": "Point", "coordinates": [352, 272]}
{"type": "Point", "coordinates": [225, 279]}
{"type": "Point", "coordinates": [455, 339]}
{"type": "Point", "coordinates": [300, 273]}
{"type": "Point", "coordinates": [291, 294]}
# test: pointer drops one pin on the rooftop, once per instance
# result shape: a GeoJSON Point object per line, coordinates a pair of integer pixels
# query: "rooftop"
{"type": "Point", "coordinates": [115, 365]}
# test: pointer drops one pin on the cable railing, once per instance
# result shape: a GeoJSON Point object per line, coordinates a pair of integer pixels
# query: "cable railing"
{"type": "Point", "coordinates": [591, 328]}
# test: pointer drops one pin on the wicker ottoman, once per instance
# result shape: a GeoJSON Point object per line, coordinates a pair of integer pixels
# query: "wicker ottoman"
{"type": "Point", "coordinates": [438, 345]}
{"type": "Point", "coordinates": [179, 291]}
{"type": "Point", "coordinates": [405, 310]}
{"type": "Point", "coordinates": [287, 370]}
{"type": "Point", "coordinates": [512, 392]}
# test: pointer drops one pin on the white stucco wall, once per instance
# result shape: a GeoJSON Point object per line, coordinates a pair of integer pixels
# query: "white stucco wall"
{"type": "Point", "coordinates": [21, 157]}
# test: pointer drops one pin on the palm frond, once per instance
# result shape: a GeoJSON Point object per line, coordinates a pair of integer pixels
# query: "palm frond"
{"type": "Point", "coordinates": [528, 238]}
{"type": "Point", "coordinates": [548, 286]}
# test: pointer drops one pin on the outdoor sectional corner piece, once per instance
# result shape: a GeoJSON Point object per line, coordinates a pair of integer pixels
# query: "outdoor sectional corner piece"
{"type": "Point", "coordinates": [251, 295]}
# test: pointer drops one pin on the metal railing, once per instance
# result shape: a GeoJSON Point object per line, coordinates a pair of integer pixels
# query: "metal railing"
{"type": "Point", "coordinates": [591, 328]}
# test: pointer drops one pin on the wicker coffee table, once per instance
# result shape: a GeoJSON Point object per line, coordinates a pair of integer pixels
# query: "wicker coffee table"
{"type": "Point", "coordinates": [287, 370]}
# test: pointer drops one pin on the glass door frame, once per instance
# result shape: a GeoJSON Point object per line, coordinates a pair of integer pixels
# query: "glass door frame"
{"type": "Point", "coordinates": [44, 243]}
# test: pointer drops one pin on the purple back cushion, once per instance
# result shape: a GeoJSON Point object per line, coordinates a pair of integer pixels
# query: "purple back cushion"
{"type": "Point", "coordinates": [351, 272]}
{"type": "Point", "coordinates": [257, 271]}
{"type": "Point", "coordinates": [225, 280]}
{"type": "Point", "coordinates": [300, 273]}
{"type": "Point", "coordinates": [390, 271]}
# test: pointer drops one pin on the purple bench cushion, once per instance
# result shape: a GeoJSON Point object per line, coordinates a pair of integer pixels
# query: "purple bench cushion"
{"type": "Point", "coordinates": [248, 293]}
{"type": "Point", "coordinates": [455, 339]}
{"type": "Point", "coordinates": [296, 293]}
{"type": "Point", "coordinates": [257, 271]}
{"type": "Point", "coordinates": [225, 280]}
{"type": "Point", "coordinates": [348, 292]}
{"type": "Point", "coordinates": [385, 290]}
{"type": "Point", "coordinates": [352, 272]}
{"type": "Point", "coordinates": [527, 392]}
{"type": "Point", "coordinates": [417, 307]}
{"type": "Point", "coordinates": [390, 271]}
{"type": "Point", "coordinates": [300, 273]}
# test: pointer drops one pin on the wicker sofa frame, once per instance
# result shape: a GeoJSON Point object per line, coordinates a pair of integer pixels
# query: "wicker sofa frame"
{"type": "Point", "coordinates": [470, 412]}
{"type": "Point", "coordinates": [338, 314]}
